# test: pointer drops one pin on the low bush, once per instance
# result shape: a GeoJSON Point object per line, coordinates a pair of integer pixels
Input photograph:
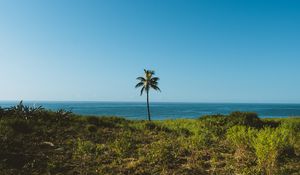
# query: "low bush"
{"type": "Point", "coordinates": [2, 112]}
{"type": "Point", "coordinates": [212, 128]}
{"type": "Point", "coordinates": [46, 143]}
{"type": "Point", "coordinates": [123, 144]}
{"type": "Point", "coordinates": [163, 153]}
{"type": "Point", "coordinates": [83, 148]}
{"type": "Point", "coordinates": [92, 128]}
{"type": "Point", "coordinates": [185, 132]}
{"type": "Point", "coordinates": [106, 122]}
{"type": "Point", "coordinates": [244, 118]}
{"type": "Point", "coordinates": [241, 136]}
{"type": "Point", "coordinates": [269, 146]}
{"type": "Point", "coordinates": [209, 135]}
{"type": "Point", "coordinates": [93, 120]}
{"type": "Point", "coordinates": [214, 120]}
{"type": "Point", "coordinates": [293, 126]}
{"type": "Point", "coordinates": [156, 127]}
{"type": "Point", "coordinates": [83, 153]}
{"type": "Point", "coordinates": [21, 126]}
{"type": "Point", "coordinates": [218, 124]}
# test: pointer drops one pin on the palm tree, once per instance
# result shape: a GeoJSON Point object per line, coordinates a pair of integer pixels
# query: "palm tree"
{"type": "Point", "coordinates": [147, 83]}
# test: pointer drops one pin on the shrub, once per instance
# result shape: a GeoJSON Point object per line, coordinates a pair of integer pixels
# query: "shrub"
{"type": "Point", "coordinates": [293, 126]}
{"type": "Point", "coordinates": [163, 152]}
{"type": "Point", "coordinates": [110, 122]}
{"type": "Point", "coordinates": [21, 126]}
{"type": "Point", "coordinates": [269, 146]}
{"type": "Point", "coordinates": [244, 118]}
{"type": "Point", "coordinates": [24, 112]}
{"type": "Point", "coordinates": [214, 120]}
{"type": "Point", "coordinates": [83, 154]}
{"type": "Point", "coordinates": [208, 136]}
{"type": "Point", "coordinates": [60, 117]}
{"type": "Point", "coordinates": [185, 132]}
{"type": "Point", "coordinates": [241, 136]}
{"type": "Point", "coordinates": [6, 132]}
{"type": "Point", "coordinates": [92, 128]}
{"type": "Point", "coordinates": [217, 125]}
{"type": "Point", "coordinates": [93, 120]}
{"type": "Point", "coordinates": [270, 123]}
{"type": "Point", "coordinates": [83, 148]}
{"type": "Point", "coordinates": [150, 126]}
{"type": "Point", "coordinates": [123, 144]}
{"type": "Point", "coordinates": [63, 115]}
{"type": "Point", "coordinates": [156, 127]}
{"type": "Point", "coordinates": [212, 128]}
{"type": "Point", "coordinates": [2, 112]}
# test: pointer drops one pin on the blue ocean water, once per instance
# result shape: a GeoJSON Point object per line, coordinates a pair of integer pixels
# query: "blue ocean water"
{"type": "Point", "coordinates": [138, 110]}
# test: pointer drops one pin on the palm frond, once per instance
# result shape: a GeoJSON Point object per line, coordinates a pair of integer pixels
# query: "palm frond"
{"type": "Point", "coordinates": [148, 81]}
{"type": "Point", "coordinates": [154, 79]}
{"type": "Point", "coordinates": [152, 72]}
{"type": "Point", "coordinates": [155, 87]}
{"type": "Point", "coordinates": [139, 84]}
{"type": "Point", "coordinates": [153, 83]}
{"type": "Point", "coordinates": [142, 90]}
{"type": "Point", "coordinates": [141, 78]}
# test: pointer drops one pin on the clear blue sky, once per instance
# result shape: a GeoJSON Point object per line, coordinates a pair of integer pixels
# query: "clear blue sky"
{"type": "Point", "coordinates": [204, 51]}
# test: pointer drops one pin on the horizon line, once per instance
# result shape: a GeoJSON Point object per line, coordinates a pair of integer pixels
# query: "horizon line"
{"type": "Point", "coordinates": [114, 101]}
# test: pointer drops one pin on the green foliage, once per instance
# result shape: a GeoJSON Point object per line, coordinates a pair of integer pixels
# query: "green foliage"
{"type": "Point", "coordinates": [235, 118]}
{"type": "Point", "coordinates": [83, 148]}
{"type": "Point", "coordinates": [213, 127]}
{"type": "Point", "coordinates": [93, 120]}
{"type": "Point", "coordinates": [244, 118]}
{"type": "Point", "coordinates": [269, 146]}
{"type": "Point", "coordinates": [22, 111]}
{"type": "Point", "coordinates": [209, 135]}
{"type": "Point", "coordinates": [123, 144]}
{"type": "Point", "coordinates": [21, 126]}
{"type": "Point", "coordinates": [214, 120]}
{"type": "Point", "coordinates": [46, 142]}
{"type": "Point", "coordinates": [83, 154]}
{"type": "Point", "coordinates": [241, 136]}
{"type": "Point", "coordinates": [63, 115]}
{"type": "Point", "coordinates": [92, 128]}
{"type": "Point", "coordinates": [6, 133]}
{"type": "Point", "coordinates": [105, 121]}
{"type": "Point", "coordinates": [2, 112]}
{"type": "Point", "coordinates": [155, 127]}
{"type": "Point", "coordinates": [163, 152]}
{"type": "Point", "coordinates": [293, 126]}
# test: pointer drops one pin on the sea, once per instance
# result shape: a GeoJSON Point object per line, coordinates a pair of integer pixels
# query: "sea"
{"type": "Point", "coordinates": [163, 110]}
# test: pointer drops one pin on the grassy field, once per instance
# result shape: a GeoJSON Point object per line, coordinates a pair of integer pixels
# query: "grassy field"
{"type": "Point", "coordinates": [38, 141]}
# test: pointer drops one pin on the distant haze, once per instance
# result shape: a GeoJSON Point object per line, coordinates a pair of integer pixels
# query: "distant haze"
{"type": "Point", "coordinates": [203, 51]}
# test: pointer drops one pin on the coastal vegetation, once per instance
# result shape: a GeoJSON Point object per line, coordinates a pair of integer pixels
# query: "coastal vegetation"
{"type": "Point", "coordinates": [38, 141]}
{"type": "Point", "coordinates": [148, 82]}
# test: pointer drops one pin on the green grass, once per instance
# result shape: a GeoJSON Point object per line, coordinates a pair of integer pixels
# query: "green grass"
{"type": "Point", "coordinates": [38, 141]}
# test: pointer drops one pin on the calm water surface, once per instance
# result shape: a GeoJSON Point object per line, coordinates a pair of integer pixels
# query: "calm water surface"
{"type": "Point", "coordinates": [136, 110]}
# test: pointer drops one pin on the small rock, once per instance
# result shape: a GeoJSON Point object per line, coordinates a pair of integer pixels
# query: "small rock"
{"type": "Point", "coordinates": [50, 144]}
{"type": "Point", "coordinates": [59, 149]}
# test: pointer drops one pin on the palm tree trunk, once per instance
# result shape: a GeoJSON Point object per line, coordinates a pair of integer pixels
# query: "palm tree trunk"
{"type": "Point", "coordinates": [148, 107]}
